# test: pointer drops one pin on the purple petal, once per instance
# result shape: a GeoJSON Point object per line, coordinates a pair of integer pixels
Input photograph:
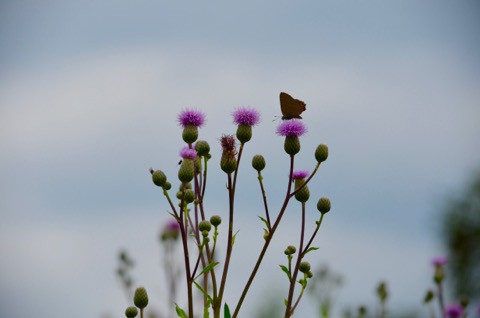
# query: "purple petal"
{"type": "Point", "coordinates": [191, 117]}
{"type": "Point", "coordinates": [300, 174]}
{"type": "Point", "coordinates": [187, 153]}
{"type": "Point", "coordinates": [246, 116]}
{"type": "Point", "coordinates": [291, 128]}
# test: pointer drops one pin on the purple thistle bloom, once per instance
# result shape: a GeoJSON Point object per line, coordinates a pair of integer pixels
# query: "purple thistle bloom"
{"type": "Point", "coordinates": [291, 128]}
{"type": "Point", "coordinates": [300, 174]}
{"type": "Point", "coordinates": [191, 117]}
{"type": "Point", "coordinates": [187, 153]}
{"type": "Point", "coordinates": [439, 261]}
{"type": "Point", "coordinates": [454, 311]}
{"type": "Point", "coordinates": [172, 226]}
{"type": "Point", "coordinates": [228, 143]}
{"type": "Point", "coordinates": [246, 116]}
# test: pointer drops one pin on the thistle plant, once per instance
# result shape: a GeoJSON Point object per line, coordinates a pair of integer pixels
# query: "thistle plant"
{"type": "Point", "coordinates": [198, 230]}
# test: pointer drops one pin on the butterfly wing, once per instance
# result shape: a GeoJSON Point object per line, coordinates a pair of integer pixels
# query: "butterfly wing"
{"type": "Point", "coordinates": [291, 107]}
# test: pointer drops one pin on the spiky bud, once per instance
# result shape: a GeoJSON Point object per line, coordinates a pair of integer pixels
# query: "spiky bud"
{"type": "Point", "coordinates": [292, 145]}
{"type": "Point", "coordinates": [202, 147]}
{"type": "Point", "coordinates": [215, 220]}
{"type": "Point", "coordinates": [186, 171]}
{"type": "Point", "coordinates": [189, 196]}
{"type": "Point", "coordinates": [321, 153]}
{"type": "Point", "coordinates": [304, 267]}
{"type": "Point", "coordinates": [190, 134]}
{"type": "Point", "coordinates": [167, 186]}
{"type": "Point", "coordinates": [228, 163]}
{"type": "Point", "coordinates": [244, 133]}
{"type": "Point", "coordinates": [304, 194]}
{"type": "Point", "coordinates": [131, 312]}
{"type": "Point", "coordinates": [323, 205]}
{"type": "Point", "coordinates": [205, 226]}
{"type": "Point", "coordinates": [159, 178]}
{"type": "Point", "coordinates": [140, 299]}
{"type": "Point", "coordinates": [258, 162]}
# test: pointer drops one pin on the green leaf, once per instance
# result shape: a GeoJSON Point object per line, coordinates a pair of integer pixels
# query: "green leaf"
{"type": "Point", "coordinates": [233, 238]}
{"type": "Point", "coordinates": [285, 302]}
{"type": "Point", "coordinates": [226, 311]}
{"type": "Point", "coordinates": [265, 221]}
{"type": "Point", "coordinates": [310, 249]}
{"type": "Point", "coordinates": [203, 291]}
{"type": "Point", "coordinates": [285, 269]}
{"type": "Point", "coordinates": [207, 268]}
{"type": "Point", "coordinates": [180, 312]}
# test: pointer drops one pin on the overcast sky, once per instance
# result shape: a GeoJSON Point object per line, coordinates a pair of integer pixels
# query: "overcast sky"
{"type": "Point", "coordinates": [90, 92]}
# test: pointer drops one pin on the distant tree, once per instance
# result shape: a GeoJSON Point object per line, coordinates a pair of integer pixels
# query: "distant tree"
{"type": "Point", "coordinates": [460, 233]}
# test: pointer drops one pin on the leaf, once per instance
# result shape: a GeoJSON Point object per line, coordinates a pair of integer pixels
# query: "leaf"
{"type": "Point", "coordinates": [226, 311]}
{"type": "Point", "coordinates": [265, 221]}
{"type": "Point", "coordinates": [233, 238]}
{"type": "Point", "coordinates": [207, 268]}
{"type": "Point", "coordinates": [180, 312]}
{"type": "Point", "coordinates": [285, 269]}
{"type": "Point", "coordinates": [285, 302]}
{"type": "Point", "coordinates": [310, 249]}
{"type": "Point", "coordinates": [203, 291]}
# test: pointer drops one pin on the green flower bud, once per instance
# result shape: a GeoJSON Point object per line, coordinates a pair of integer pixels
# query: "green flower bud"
{"type": "Point", "coordinates": [198, 165]}
{"type": "Point", "coordinates": [228, 163]}
{"type": "Point", "coordinates": [290, 250]}
{"type": "Point", "coordinates": [186, 171]}
{"type": "Point", "coordinates": [304, 267]}
{"type": "Point", "coordinates": [321, 153]}
{"type": "Point", "coordinates": [190, 134]}
{"type": "Point", "coordinates": [215, 220]}
{"type": "Point", "coordinates": [309, 274]}
{"type": "Point", "coordinates": [304, 194]}
{"type": "Point", "coordinates": [258, 162]}
{"type": "Point", "coordinates": [167, 186]}
{"type": "Point", "coordinates": [131, 312]}
{"type": "Point", "coordinates": [179, 195]}
{"type": "Point", "coordinates": [205, 226]}
{"type": "Point", "coordinates": [323, 205]}
{"type": "Point", "coordinates": [189, 196]}
{"type": "Point", "coordinates": [362, 311]}
{"type": "Point", "coordinates": [202, 147]}
{"type": "Point", "coordinates": [205, 234]}
{"type": "Point", "coordinates": [159, 178]}
{"type": "Point", "coordinates": [244, 133]}
{"type": "Point", "coordinates": [140, 299]}
{"type": "Point", "coordinates": [439, 275]}
{"type": "Point", "coordinates": [428, 297]}
{"type": "Point", "coordinates": [292, 145]}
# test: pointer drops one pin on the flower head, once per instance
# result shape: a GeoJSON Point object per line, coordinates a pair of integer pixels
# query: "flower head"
{"type": "Point", "coordinates": [300, 174]}
{"type": "Point", "coordinates": [191, 117]}
{"type": "Point", "coordinates": [291, 128]}
{"type": "Point", "coordinates": [439, 261]}
{"type": "Point", "coordinates": [187, 153]}
{"type": "Point", "coordinates": [228, 143]}
{"type": "Point", "coordinates": [454, 311]}
{"type": "Point", "coordinates": [246, 116]}
{"type": "Point", "coordinates": [172, 226]}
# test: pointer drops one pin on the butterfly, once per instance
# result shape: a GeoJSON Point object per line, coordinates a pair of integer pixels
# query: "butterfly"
{"type": "Point", "coordinates": [291, 107]}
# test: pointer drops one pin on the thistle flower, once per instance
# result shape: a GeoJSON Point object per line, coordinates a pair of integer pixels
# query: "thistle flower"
{"type": "Point", "coordinates": [454, 311]}
{"type": "Point", "coordinates": [299, 174]}
{"type": "Point", "coordinates": [246, 116]}
{"type": "Point", "coordinates": [228, 162]}
{"type": "Point", "coordinates": [190, 120]}
{"type": "Point", "coordinates": [439, 261]}
{"type": "Point", "coordinates": [170, 230]}
{"type": "Point", "coordinates": [191, 117]}
{"type": "Point", "coordinates": [291, 128]}
{"type": "Point", "coordinates": [187, 153]}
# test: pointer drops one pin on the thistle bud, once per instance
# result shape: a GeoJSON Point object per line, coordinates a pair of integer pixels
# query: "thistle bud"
{"type": "Point", "coordinates": [167, 186]}
{"type": "Point", "coordinates": [258, 162]}
{"type": "Point", "coordinates": [292, 145]}
{"type": "Point", "coordinates": [304, 194]}
{"type": "Point", "coordinates": [202, 147]}
{"type": "Point", "coordinates": [190, 134]}
{"type": "Point", "coordinates": [304, 267]}
{"type": "Point", "coordinates": [186, 171]}
{"type": "Point", "coordinates": [131, 312]}
{"type": "Point", "coordinates": [321, 153]}
{"type": "Point", "coordinates": [244, 133]}
{"type": "Point", "coordinates": [205, 226]}
{"type": "Point", "coordinates": [140, 299]}
{"type": "Point", "coordinates": [428, 297]}
{"type": "Point", "coordinates": [159, 178]}
{"type": "Point", "coordinates": [189, 196]}
{"type": "Point", "coordinates": [323, 205]}
{"type": "Point", "coordinates": [309, 274]}
{"type": "Point", "coordinates": [215, 220]}
{"type": "Point", "coordinates": [228, 163]}
{"type": "Point", "coordinates": [439, 275]}
{"type": "Point", "coordinates": [290, 250]}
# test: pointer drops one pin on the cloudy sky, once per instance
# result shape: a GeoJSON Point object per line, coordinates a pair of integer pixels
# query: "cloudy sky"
{"type": "Point", "coordinates": [90, 91]}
